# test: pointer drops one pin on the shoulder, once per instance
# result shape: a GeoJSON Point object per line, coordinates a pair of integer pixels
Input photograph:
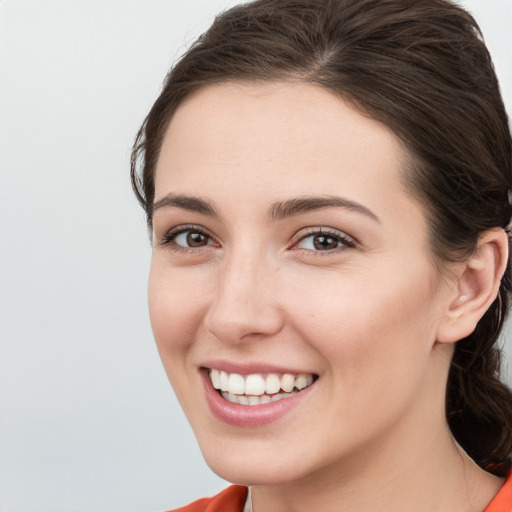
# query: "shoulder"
{"type": "Point", "coordinates": [231, 499]}
{"type": "Point", "coordinates": [502, 502]}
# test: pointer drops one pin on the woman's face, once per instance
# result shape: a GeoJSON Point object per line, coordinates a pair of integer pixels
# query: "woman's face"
{"type": "Point", "coordinates": [288, 254]}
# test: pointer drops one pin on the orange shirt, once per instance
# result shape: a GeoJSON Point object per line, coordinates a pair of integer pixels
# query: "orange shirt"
{"type": "Point", "coordinates": [502, 502]}
{"type": "Point", "coordinates": [233, 499]}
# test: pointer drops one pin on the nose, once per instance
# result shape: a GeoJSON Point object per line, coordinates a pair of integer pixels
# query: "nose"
{"type": "Point", "coordinates": [245, 302]}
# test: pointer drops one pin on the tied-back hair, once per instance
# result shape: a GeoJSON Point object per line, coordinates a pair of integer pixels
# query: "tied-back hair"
{"type": "Point", "coordinates": [421, 68]}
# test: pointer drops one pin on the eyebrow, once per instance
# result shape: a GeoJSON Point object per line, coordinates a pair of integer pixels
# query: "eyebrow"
{"type": "Point", "coordinates": [190, 203]}
{"type": "Point", "coordinates": [279, 210]}
{"type": "Point", "coordinates": [300, 205]}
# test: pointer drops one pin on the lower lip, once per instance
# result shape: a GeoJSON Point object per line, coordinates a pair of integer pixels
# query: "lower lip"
{"type": "Point", "coordinates": [250, 415]}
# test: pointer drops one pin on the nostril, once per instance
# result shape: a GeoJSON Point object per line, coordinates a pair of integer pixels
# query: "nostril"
{"type": "Point", "coordinates": [243, 322]}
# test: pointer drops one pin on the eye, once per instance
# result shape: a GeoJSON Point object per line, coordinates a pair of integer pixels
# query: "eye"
{"type": "Point", "coordinates": [191, 239]}
{"type": "Point", "coordinates": [187, 238]}
{"type": "Point", "coordinates": [322, 240]}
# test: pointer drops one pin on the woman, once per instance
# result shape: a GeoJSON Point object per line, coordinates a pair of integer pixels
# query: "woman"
{"type": "Point", "coordinates": [327, 186]}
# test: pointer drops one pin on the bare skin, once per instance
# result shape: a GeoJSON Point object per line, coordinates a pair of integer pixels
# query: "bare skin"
{"type": "Point", "coordinates": [346, 292]}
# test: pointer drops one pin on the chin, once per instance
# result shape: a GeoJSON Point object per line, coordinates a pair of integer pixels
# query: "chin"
{"type": "Point", "coordinates": [263, 461]}
{"type": "Point", "coordinates": [245, 470]}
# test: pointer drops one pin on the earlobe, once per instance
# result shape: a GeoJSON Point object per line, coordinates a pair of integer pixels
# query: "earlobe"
{"type": "Point", "coordinates": [477, 286]}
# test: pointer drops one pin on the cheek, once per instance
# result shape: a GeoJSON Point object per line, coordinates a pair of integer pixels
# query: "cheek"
{"type": "Point", "coordinates": [174, 308]}
{"type": "Point", "coordinates": [175, 312]}
{"type": "Point", "coordinates": [376, 359]}
{"type": "Point", "coordinates": [369, 328]}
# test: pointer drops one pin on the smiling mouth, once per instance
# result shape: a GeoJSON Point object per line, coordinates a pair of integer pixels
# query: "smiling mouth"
{"type": "Point", "coordinates": [257, 388]}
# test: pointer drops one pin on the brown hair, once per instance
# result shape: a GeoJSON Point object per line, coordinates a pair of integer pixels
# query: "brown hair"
{"type": "Point", "coordinates": [420, 67]}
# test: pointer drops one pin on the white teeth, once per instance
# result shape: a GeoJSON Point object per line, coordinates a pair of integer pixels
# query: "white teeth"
{"type": "Point", "coordinates": [265, 399]}
{"type": "Point", "coordinates": [256, 400]}
{"type": "Point", "coordinates": [256, 389]}
{"type": "Point", "coordinates": [300, 382]}
{"type": "Point", "coordinates": [223, 381]}
{"type": "Point", "coordinates": [287, 382]}
{"type": "Point", "coordinates": [214, 375]}
{"type": "Point", "coordinates": [303, 381]}
{"type": "Point", "coordinates": [272, 384]}
{"type": "Point", "coordinates": [254, 385]}
{"type": "Point", "coordinates": [236, 384]}
{"type": "Point", "coordinates": [243, 399]}
{"type": "Point", "coordinates": [280, 396]}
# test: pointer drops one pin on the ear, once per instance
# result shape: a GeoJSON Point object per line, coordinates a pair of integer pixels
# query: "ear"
{"type": "Point", "coordinates": [477, 285]}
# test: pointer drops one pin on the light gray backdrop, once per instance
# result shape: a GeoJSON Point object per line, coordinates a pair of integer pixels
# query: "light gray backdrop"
{"type": "Point", "coordinates": [88, 421]}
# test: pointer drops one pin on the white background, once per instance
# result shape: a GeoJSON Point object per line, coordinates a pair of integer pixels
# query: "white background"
{"type": "Point", "coordinates": [88, 421]}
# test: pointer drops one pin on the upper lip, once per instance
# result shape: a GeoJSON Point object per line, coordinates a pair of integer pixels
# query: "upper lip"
{"type": "Point", "coordinates": [248, 368]}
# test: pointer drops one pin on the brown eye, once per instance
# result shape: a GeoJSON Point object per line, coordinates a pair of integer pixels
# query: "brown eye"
{"type": "Point", "coordinates": [195, 239]}
{"type": "Point", "coordinates": [188, 239]}
{"type": "Point", "coordinates": [325, 242]}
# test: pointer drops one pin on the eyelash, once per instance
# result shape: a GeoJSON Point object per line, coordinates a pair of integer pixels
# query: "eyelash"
{"type": "Point", "coordinates": [169, 238]}
{"type": "Point", "coordinates": [345, 242]}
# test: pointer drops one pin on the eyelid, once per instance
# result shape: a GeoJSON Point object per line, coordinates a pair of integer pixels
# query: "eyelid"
{"type": "Point", "coordinates": [171, 234]}
{"type": "Point", "coordinates": [347, 241]}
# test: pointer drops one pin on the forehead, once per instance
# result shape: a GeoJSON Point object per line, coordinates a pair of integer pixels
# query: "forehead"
{"type": "Point", "coordinates": [284, 138]}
